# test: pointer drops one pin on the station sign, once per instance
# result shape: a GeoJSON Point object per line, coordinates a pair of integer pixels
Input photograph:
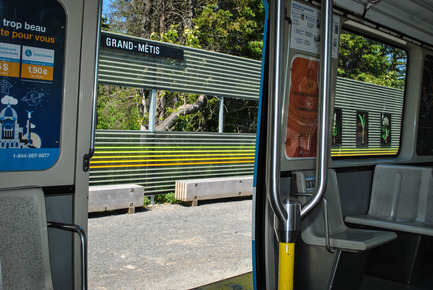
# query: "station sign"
{"type": "Point", "coordinates": [144, 47]}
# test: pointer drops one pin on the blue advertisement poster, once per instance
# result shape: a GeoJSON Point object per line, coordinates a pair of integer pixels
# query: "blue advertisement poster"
{"type": "Point", "coordinates": [32, 41]}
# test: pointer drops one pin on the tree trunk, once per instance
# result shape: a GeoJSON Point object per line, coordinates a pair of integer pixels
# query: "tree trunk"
{"type": "Point", "coordinates": [143, 108]}
{"type": "Point", "coordinates": [161, 104]}
{"type": "Point", "coordinates": [187, 109]}
{"type": "Point", "coordinates": [162, 23]}
{"type": "Point", "coordinates": [189, 15]}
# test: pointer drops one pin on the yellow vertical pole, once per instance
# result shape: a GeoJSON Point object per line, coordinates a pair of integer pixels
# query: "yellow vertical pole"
{"type": "Point", "coordinates": [287, 232]}
{"type": "Point", "coordinates": [286, 266]}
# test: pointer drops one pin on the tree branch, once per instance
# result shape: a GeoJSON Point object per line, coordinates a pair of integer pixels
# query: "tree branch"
{"type": "Point", "coordinates": [187, 109]}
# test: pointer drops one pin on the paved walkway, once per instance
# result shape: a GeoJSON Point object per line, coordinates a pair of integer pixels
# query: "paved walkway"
{"type": "Point", "coordinates": [170, 246]}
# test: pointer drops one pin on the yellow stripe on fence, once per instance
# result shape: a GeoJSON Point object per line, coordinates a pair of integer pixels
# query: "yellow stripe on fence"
{"type": "Point", "coordinates": [164, 160]}
{"type": "Point", "coordinates": [167, 155]}
{"type": "Point", "coordinates": [363, 152]}
{"type": "Point", "coordinates": [174, 151]}
{"type": "Point", "coordinates": [169, 164]}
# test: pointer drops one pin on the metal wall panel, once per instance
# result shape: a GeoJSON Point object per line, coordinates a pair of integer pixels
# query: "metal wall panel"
{"type": "Point", "coordinates": [200, 72]}
{"type": "Point", "coordinates": [156, 160]}
{"type": "Point", "coordinates": [352, 96]}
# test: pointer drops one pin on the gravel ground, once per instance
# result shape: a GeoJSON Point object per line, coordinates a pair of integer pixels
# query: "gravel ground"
{"type": "Point", "coordinates": [170, 246]}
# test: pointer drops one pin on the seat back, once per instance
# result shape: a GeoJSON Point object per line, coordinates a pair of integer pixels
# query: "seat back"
{"type": "Point", "coordinates": [400, 193]}
{"type": "Point", "coordinates": [24, 251]}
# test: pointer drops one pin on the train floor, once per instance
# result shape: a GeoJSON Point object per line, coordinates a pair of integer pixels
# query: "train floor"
{"type": "Point", "coordinates": [375, 283]}
{"type": "Point", "coordinates": [245, 281]}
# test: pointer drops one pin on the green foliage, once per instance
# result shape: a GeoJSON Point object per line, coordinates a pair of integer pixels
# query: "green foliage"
{"type": "Point", "coordinates": [191, 38]}
{"type": "Point", "coordinates": [232, 26]}
{"type": "Point", "coordinates": [146, 201]}
{"type": "Point", "coordinates": [117, 108]}
{"type": "Point", "coordinates": [161, 199]}
{"type": "Point", "coordinates": [104, 23]}
{"type": "Point", "coordinates": [153, 19]}
{"type": "Point", "coordinates": [371, 61]}
{"type": "Point", "coordinates": [389, 79]}
{"type": "Point", "coordinates": [166, 198]}
{"type": "Point", "coordinates": [240, 116]}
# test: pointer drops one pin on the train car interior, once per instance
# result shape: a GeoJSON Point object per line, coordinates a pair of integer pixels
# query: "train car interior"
{"type": "Point", "coordinates": [345, 159]}
{"type": "Point", "coordinates": [343, 187]}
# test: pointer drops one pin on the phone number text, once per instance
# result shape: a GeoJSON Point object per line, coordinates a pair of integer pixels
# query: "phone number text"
{"type": "Point", "coordinates": [31, 155]}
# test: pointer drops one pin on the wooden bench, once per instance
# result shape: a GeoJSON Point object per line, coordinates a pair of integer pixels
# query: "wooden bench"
{"type": "Point", "coordinates": [194, 190]}
{"type": "Point", "coordinates": [401, 201]}
{"type": "Point", "coordinates": [119, 196]}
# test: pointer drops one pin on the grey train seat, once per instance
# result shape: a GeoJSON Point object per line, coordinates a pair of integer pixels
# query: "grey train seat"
{"type": "Point", "coordinates": [401, 201]}
{"type": "Point", "coordinates": [24, 244]}
{"type": "Point", "coordinates": [335, 251]}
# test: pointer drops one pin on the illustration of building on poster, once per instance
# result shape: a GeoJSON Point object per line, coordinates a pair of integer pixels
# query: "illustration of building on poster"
{"type": "Point", "coordinates": [12, 134]}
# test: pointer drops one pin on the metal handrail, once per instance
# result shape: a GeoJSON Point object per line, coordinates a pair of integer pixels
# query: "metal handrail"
{"type": "Point", "coordinates": [274, 109]}
{"type": "Point", "coordinates": [326, 220]}
{"type": "Point", "coordinates": [325, 88]}
{"type": "Point", "coordinates": [83, 242]}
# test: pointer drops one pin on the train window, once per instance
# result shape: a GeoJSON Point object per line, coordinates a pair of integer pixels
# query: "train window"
{"type": "Point", "coordinates": [424, 145]}
{"type": "Point", "coordinates": [368, 98]}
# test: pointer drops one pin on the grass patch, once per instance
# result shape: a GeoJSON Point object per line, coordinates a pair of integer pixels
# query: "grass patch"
{"type": "Point", "coordinates": [162, 198]}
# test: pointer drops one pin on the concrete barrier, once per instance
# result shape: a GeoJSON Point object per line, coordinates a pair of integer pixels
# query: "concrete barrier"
{"type": "Point", "coordinates": [110, 197]}
{"type": "Point", "coordinates": [194, 190]}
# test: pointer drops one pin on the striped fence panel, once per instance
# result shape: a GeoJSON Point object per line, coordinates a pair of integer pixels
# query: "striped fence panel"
{"type": "Point", "coordinates": [200, 72]}
{"type": "Point", "coordinates": [156, 160]}
{"type": "Point", "coordinates": [352, 96]}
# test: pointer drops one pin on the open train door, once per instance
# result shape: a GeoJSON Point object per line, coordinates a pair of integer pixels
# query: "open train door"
{"type": "Point", "coordinates": [48, 57]}
{"type": "Point", "coordinates": [301, 42]}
